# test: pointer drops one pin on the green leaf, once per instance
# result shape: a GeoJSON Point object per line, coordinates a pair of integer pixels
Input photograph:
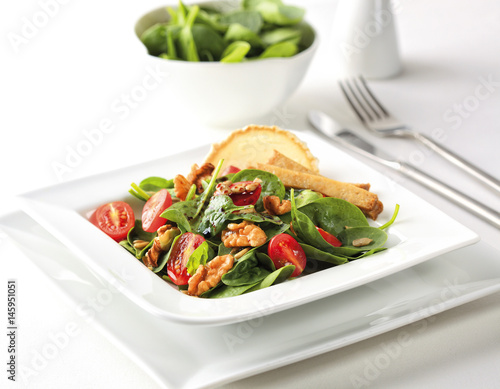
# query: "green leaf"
{"type": "Point", "coordinates": [347, 236]}
{"type": "Point", "coordinates": [235, 52]}
{"type": "Point", "coordinates": [280, 50]}
{"type": "Point", "coordinates": [177, 213]}
{"type": "Point", "coordinates": [127, 246]}
{"type": "Point", "coordinates": [253, 4]}
{"type": "Point", "coordinates": [320, 255]}
{"type": "Point", "coordinates": [249, 19]}
{"type": "Point", "coordinates": [333, 215]}
{"type": "Point", "coordinates": [237, 32]}
{"type": "Point", "coordinates": [209, 44]}
{"type": "Point", "coordinates": [282, 15]}
{"type": "Point", "coordinates": [154, 184]}
{"type": "Point", "coordinates": [155, 39]}
{"type": "Point", "coordinates": [223, 291]}
{"type": "Point", "coordinates": [250, 276]}
{"type": "Point", "coordinates": [137, 233]}
{"type": "Point", "coordinates": [284, 34]}
{"type": "Point", "coordinates": [274, 278]}
{"type": "Point", "coordinates": [200, 256]}
{"type": "Point", "coordinates": [187, 45]}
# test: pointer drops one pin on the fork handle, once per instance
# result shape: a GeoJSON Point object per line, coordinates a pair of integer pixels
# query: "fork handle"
{"type": "Point", "coordinates": [480, 210]}
{"type": "Point", "coordinates": [449, 155]}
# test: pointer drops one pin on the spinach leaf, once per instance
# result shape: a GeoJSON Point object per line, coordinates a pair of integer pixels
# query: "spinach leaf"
{"type": "Point", "coordinates": [320, 255]}
{"type": "Point", "coordinates": [251, 276]}
{"type": "Point", "coordinates": [253, 4]}
{"type": "Point", "coordinates": [219, 210]}
{"type": "Point", "coordinates": [281, 49]}
{"type": "Point", "coordinates": [186, 44]}
{"type": "Point", "coordinates": [249, 19]}
{"type": "Point", "coordinates": [154, 184]}
{"type": "Point", "coordinates": [127, 246]}
{"type": "Point", "coordinates": [223, 291]}
{"type": "Point", "coordinates": [235, 52]}
{"type": "Point", "coordinates": [237, 32]}
{"type": "Point", "coordinates": [274, 278]}
{"type": "Point", "coordinates": [243, 266]}
{"type": "Point", "coordinates": [307, 196]}
{"type": "Point", "coordinates": [284, 34]}
{"type": "Point", "coordinates": [282, 15]}
{"type": "Point", "coordinates": [265, 261]}
{"type": "Point", "coordinates": [137, 233]}
{"type": "Point", "coordinates": [180, 213]}
{"type": "Point", "coordinates": [333, 215]}
{"type": "Point", "coordinates": [209, 44]}
{"type": "Point", "coordinates": [199, 256]}
{"type": "Point", "coordinates": [155, 39]}
{"type": "Point", "coordinates": [347, 236]}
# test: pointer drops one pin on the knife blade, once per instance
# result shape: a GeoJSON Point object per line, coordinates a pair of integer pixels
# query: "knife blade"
{"type": "Point", "coordinates": [332, 131]}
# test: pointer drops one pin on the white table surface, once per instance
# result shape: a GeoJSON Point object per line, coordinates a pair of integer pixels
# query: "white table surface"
{"type": "Point", "coordinates": [64, 79]}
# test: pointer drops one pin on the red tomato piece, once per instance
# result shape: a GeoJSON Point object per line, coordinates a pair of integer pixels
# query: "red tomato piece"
{"type": "Point", "coordinates": [284, 250]}
{"type": "Point", "coordinates": [329, 237]}
{"type": "Point", "coordinates": [182, 250]}
{"type": "Point", "coordinates": [230, 170]}
{"type": "Point", "coordinates": [115, 219]}
{"type": "Point", "coordinates": [153, 208]}
{"type": "Point", "coordinates": [246, 197]}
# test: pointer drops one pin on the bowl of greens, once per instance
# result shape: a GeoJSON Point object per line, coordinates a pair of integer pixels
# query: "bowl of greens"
{"type": "Point", "coordinates": [229, 61]}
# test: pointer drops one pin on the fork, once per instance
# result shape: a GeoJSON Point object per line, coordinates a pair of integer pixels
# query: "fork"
{"type": "Point", "coordinates": [376, 118]}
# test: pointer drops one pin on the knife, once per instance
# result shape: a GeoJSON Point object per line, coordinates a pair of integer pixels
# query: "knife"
{"type": "Point", "coordinates": [330, 130]}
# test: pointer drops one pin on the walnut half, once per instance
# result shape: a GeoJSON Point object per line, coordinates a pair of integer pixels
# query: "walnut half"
{"type": "Point", "coordinates": [243, 234]}
{"type": "Point", "coordinates": [206, 277]}
{"type": "Point", "coordinates": [274, 206]}
{"type": "Point", "coordinates": [161, 243]}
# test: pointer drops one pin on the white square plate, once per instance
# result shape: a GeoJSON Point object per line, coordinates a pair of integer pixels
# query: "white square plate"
{"type": "Point", "coordinates": [421, 232]}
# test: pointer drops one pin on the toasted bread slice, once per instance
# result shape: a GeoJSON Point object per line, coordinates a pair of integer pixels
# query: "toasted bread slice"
{"type": "Point", "coordinates": [253, 144]}
{"type": "Point", "coordinates": [367, 202]}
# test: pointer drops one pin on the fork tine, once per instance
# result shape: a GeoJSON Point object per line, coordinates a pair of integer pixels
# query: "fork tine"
{"type": "Point", "coordinates": [353, 102]}
{"type": "Point", "coordinates": [362, 81]}
{"type": "Point", "coordinates": [364, 98]}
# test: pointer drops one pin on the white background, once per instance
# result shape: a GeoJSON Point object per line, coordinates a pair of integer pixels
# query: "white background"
{"type": "Point", "coordinates": [68, 75]}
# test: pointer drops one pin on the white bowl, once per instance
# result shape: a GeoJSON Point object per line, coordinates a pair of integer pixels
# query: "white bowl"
{"type": "Point", "coordinates": [222, 94]}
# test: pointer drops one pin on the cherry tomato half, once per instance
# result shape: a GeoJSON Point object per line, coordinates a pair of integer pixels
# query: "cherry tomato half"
{"type": "Point", "coordinates": [284, 250]}
{"type": "Point", "coordinates": [182, 250]}
{"type": "Point", "coordinates": [230, 170]}
{"type": "Point", "coordinates": [246, 197]}
{"type": "Point", "coordinates": [115, 219]}
{"type": "Point", "coordinates": [329, 237]}
{"type": "Point", "coordinates": [153, 208]}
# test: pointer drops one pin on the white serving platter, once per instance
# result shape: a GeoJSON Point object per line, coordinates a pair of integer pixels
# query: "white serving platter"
{"type": "Point", "coordinates": [420, 233]}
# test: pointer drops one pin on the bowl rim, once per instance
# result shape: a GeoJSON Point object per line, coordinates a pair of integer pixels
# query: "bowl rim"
{"type": "Point", "coordinates": [308, 51]}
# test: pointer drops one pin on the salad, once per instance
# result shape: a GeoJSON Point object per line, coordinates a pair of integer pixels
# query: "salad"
{"type": "Point", "coordinates": [228, 32]}
{"type": "Point", "coordinates": [217, 234]}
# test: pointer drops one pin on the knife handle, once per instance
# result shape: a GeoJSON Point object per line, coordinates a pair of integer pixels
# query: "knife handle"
{"type": "Point", "coordinates": [480, 210]}
{"type": "Point", "coordinates": [474, 171]}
